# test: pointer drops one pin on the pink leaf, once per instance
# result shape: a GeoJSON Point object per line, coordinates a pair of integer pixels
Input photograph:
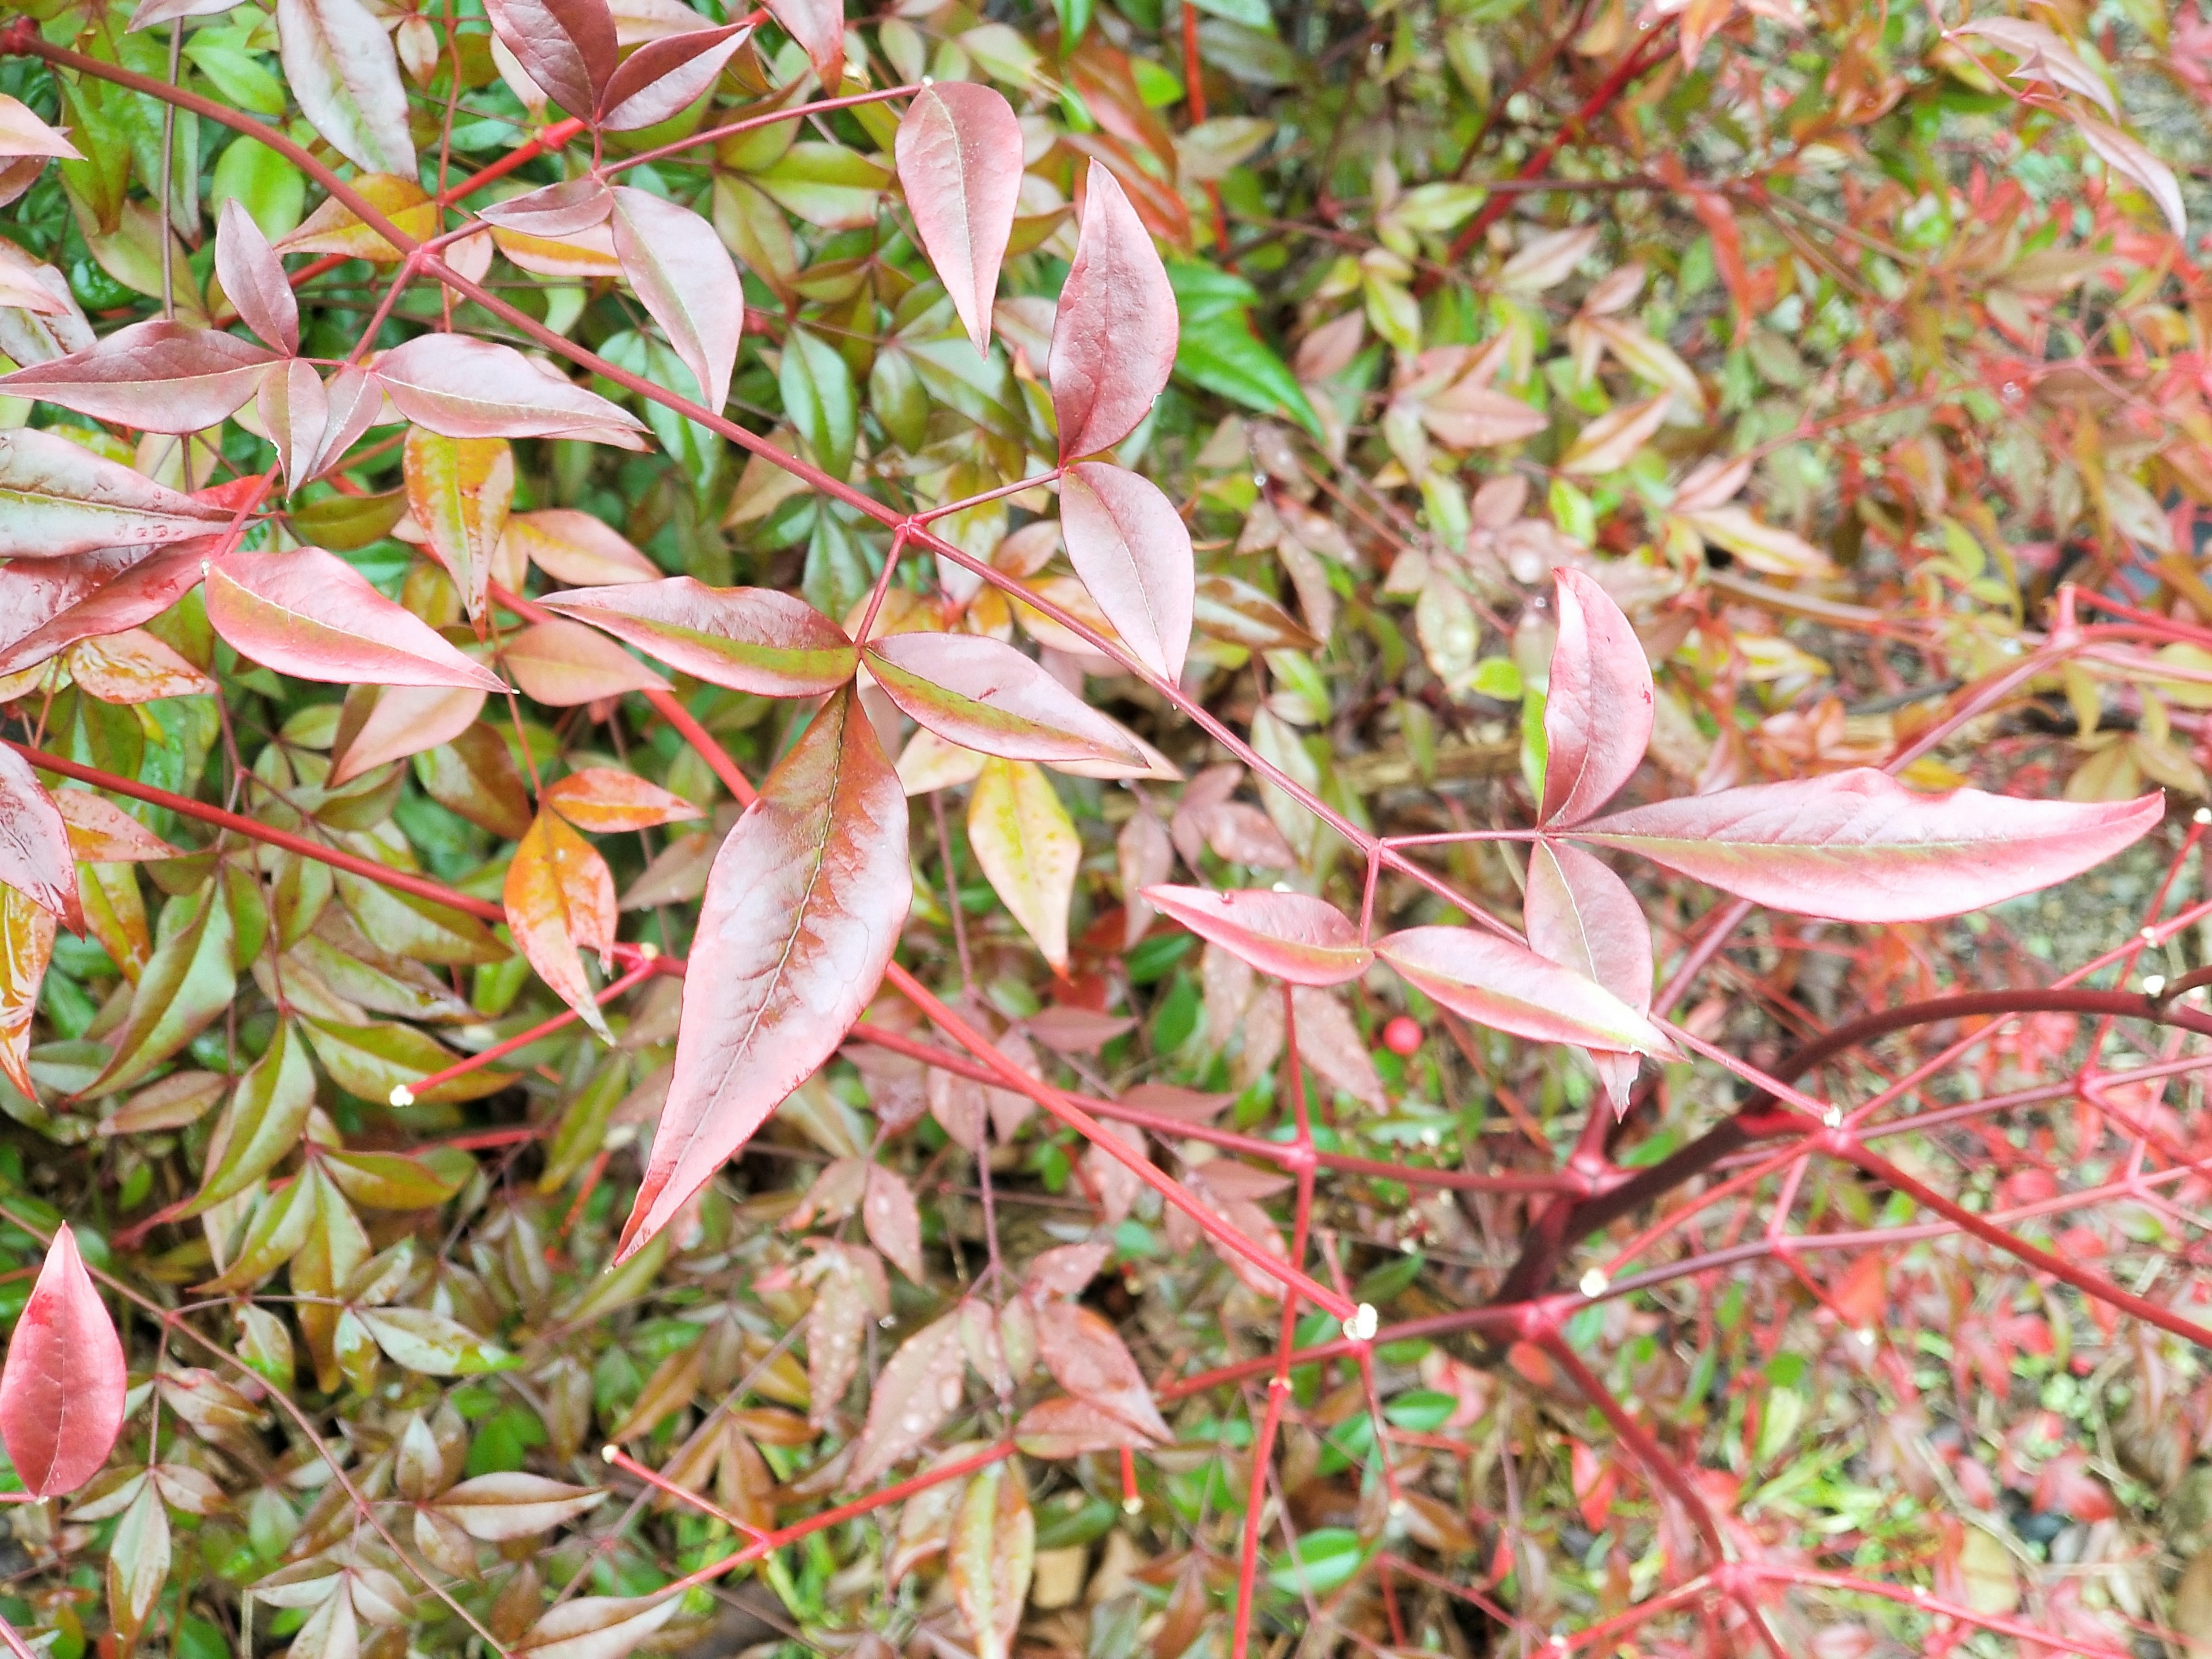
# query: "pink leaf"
{"type": "Point", "coordinates": [469, 388]}
{"type": "Point", "coordinates": [802, 911]}
{"type": "Point", "coordinates": [1132, 551]}
{"type": "Point", "coordinates": [1293, 936]}
{"type": "Point", "coordinates": [1114, 336]}
{"type": "Point", "coordinates": [563, 664]}
{"type": "Point", "coordinates": [252, 278]}
{"type": "Point", "coordinates": [819, 27]}
{"type": "Point", "coordinates": [1330, 1042]}
{"type": "Point", "coordinates": [356, 398]}
{"type": "Point", "coordinates": [60, 1393]}
{"type": "Point", "coordinates": [1066, 1269]}
{"type": "Point", "coordinates": [894, 1223]}
{"type": "Point", "coordinates": [34, 845]}
{"type": "Point", "coordinates": [1090, 1361]}
{"type": "Point", "coordinates": [959, 155]}
{"type": "Point", "coordinates": [1858, 846]}
{"type": "Point", "coordinates": [555, 211]}
{"type": "Point", "coordinates": [850, 1294]}
{"type": "Point", "coordinates": [682, 277]}
{"type": "Point", "coordinates": [109, 606]}
{"type": "Point", "coordinates": [912, 1396]}
{"type": "Point", "coordinates": [388, 723]}
{"type": "Point", "coordinates": [342, 67]}
{"type": "Point", "coordinates": [310, 614]}
{"type": "Point", "coordinates": [57, 498]}
{"type": "Point", "coordinates": [1502, 984]}
{"type": "Point", "coordinates": [158, 376]}
{"type": "Point", "coordinates": [567, 46]}
{"type": "Point", "coordinates": [983, 695]}
{"type": "Point", "coordinates": [750, 639]}
{"type": "Point", "coordinates": [296, 412]}
{"type": "Point", "coordinates": [665, 76]}
{"type": "Point", "coordinates": [1597, 714]}
{"type": "Point", "coordinates": [1581, 916]}
{"type": "Point", "coordinates": [571, 546]}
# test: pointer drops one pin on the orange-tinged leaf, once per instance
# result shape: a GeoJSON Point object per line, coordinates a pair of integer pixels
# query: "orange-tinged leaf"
{"type": "Point", "coordinates": [27, 943]}
{"type": "Point", "coordinates": [561, 664]}
{"type": "Point", "coordinates": [460, 490]}
{"type": "Point", "coordinates": [385, 723]}
{"type": "Point", "coordinates": [575, 548]}
{"type": "Point", "coordinates": [1610, 442]}
{"type": "Point", "coordinates": [101, 832]}
{"type": "Point", "coordinates": [34, 844]}
{"type": "Point", "coordinates": [61, 1391]}
{"type": "Point", "coordinates": [602, 800]}
{"type": "Point", "coordinates": [803, 907]}
{"type": "Point", "coordinates": [133, 666]}
{"type": "Point", "coordinates": [310, 614]}
{"type": "Point", "coordinates": [333, 228]}
{"type": "Point", "coordinates": [1029, 849]}
{"type": "Point", "coordinates": [559, 900]}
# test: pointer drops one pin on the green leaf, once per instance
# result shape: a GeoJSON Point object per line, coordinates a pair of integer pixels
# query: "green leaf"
{"type": "Point", "coordinates": [1323, 1560]}
{"type": "Point", "coordinates": [1219, 352]}
{"type": "Point", "coordinates": [267, 1116]}
{"type": "Point", "coordinates": [372, 1059]}
{"type": "Point", "coordinates": [431, 1343]}
{"type": "Point", "coordinates": [188, 981]}
{"type": "Point", "coordinates": [819, 397]}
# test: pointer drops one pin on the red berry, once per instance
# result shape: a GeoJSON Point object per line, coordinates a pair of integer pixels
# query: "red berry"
{"type": "Point", "coordinates": [1401, 1035]}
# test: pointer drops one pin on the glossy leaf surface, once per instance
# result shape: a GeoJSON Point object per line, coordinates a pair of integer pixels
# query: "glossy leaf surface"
{"type": "Point", "coordinates": [750, 639]}
{"type": "Point", "coordinates": [1291, 936]}
{"type": "Point", "coordinates": [61, 1391]}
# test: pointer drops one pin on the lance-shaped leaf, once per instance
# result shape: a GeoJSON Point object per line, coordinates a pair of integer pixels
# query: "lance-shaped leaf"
{"type": "Point", "coordinates": [141, 593]}
{"type": "Point", "coordinates": [1132, 550]}
{"type": "Point", "coordinates": [158, 376]}
{"type": "Point", "coordinates": [294, 410]}
{"type": "Point", "coordinates": [665, 76]}
{"type": "Point", "coordinates": [683, 275]}
{"type": "Point", "coordinates": [34, 844]}
{"type": "Point", "coordinates": [1293, 936]}
{"type": "Point", "coordinates": [559, 897]}
{"type": "Point", "coordinates": [984, 695]}
{"type": "Point", "coordinates": [101, 832]}
{"type": "Point", "coordinates": [1598, 712]}
{"type": "Point", "coordinates": [268, 1114]}
{"type": "Point", "coordinates": [252, 278]}
{"type": "Point", "coordinates": [310, 614]}
{"type": "Point", "coordinates": [342, 66]}
{"type": "Point", "coordinates": [553, 210]}
{"type": "Point", "coordinates": [561, 664]}
{"type": "Point", "coordinates": [461, 491]}
{"type": "Point", "coordinates": [1088, 1359]}
{"type": "Point", "coordinates": [61, 1392]}
{"type": "Point", "coordinates": [959, 155]}
{"type": "Point", "coordinates": [802, 909]}
{"type": "Point", "coordinates": [1580, 914]}
{"type": "Point", "coordinates": [385, 723]}
{"type": "Point", "coordinates": [819, 27]}
{"type": "Point", "coordinates": [188, 983]}
{"type": "Point", "coordinates": [991, 1557]}
{"type": "Point", "coordinates": [1502, 984]}
{"type": "Point", "coordinates": [567, 46]}
{"type": "Point", "coordinates": [500, 1508]}
{"type": "Point", "coordinates": [750, 639]}
{"type": "Point", "coordinates": [915, 1392]}
{"type": "Point", "coordinates": [431, 1343]}
{"type": "Point", "coordinates": [602, 800]}
{"type": "Point", "coordinates": [1858, 846]}
{"type": "Point", "coordinates": [465, 387]}
{"type": "Point", "coordinates": [598, 1626]}
{"type": "Point", "coordinates": [893, 1220]}
{"type": "Point", "coordinates": [22, 133]}
{"type": "Point", "coordinates": [1114, 335]}
{"type": "Point", "coordinates": [575, 548]}
{"type": "Point", "coordinates": [1028, 850]}
{"type": "Point", "coordinates": [1610, 442]}
{"type": "Point", "coordinates": [59, 498]}
{"type": "Point", "coordinates": [355, 399]}
{"type": "Point", "coordinates": [26, 945]}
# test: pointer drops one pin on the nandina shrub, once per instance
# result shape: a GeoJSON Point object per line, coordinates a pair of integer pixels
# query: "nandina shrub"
{"type": "Point", "coordinates": [1113, 829]}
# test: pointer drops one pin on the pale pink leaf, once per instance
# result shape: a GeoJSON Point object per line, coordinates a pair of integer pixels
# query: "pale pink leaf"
{"type": "Point", "coordinates": [343, 69]}
{"type": "Point", "coordinates": [253, 277]}
{"type": "Point", "coordinates": [1329, 1042]}
{"type": "Point", "coordinates": [296, 412]}
{"type": "Point", "coordinates": [1502, 984]}
{"type": "Point", "coordinates": [2131, 160]}
{"type": "Point", "coordinates": [563, 664]}
{"type": "Point", "coordinates": [62, 1390]}
{"type": "Point", "coordinates": [22, 133]}
{"type": "Point", "coordinates": [1292, 936]}
{"type": "Point", "coordinates": [1580, 914]}
{"type": "Point", "coordinates": [1114, 335]}
{"type": "Point", "coordinates": [1132, 551]}
{"type": "Point", "coordinates": [158, 376]}
{"type": "Point", "coordinates": [850, 1294]}
{"type": "Point", "coordinates": [34, 844]}
{"type": "Point", "coordinates": [555, 211]}
{"type": "Point", "coordinates": [983, 695]}
{"type": "Point", "coordinates": [683, 275]}
{"type": "Point", "coordinates": [893, 1222]}
{"type": "Point", "coordinates": [818, 25]}
{"type": "Point", "coordinates": [1858, 846]}
{"type": "Point", "coordinates": [310, 614]}
{"type": "Point", "coordinates": [1598, 712]}
{"type": "Point", "coordinates": [915, 1392]}
{"type": "Point", "coordinates": [760, 639]}
{"type": "Point", "coordinates": [465, 387]}
{"type": "Point", "coordinates": [959, 157]}
{"type": "Point", "coordinates": [139, 593]}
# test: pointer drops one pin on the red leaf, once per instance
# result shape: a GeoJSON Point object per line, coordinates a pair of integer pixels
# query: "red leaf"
{"type": "Point", "coordinates": [818, 25]}
{"type": "Point", "coordinates": [559, 897]}
{"type": "Point", "coordinates": [683, 275]}
{"type": "Point", "coordinates": [1580, 914]}
{"type": "Point", "coordinates": [894, 1223]}
{"type": "Point", "coordinates": [252, 278]}
{"type": "Point", "coordinates": [567, 46]}
{"type": "Point", "coordinates": [1858, 846]}
{"type": "Point", "coordinates": [469, 388]}
{"type": "Point", "coordinates": [1064, 1427]}
{"type": "Point", "coordinates": [1132, 550]}
{"type": "Point", "coordinates": [158, 376]}
{"type": "Point", "coordinates": [60, 1393]}
{"type": "Point", "coordinates": [57, 498]}
{"type": "Point", "coordinates": [959, 155]}
{"type": "Point", "coordinates": [553, 211]}
{"type": "Point", "coordinates": [602, 800]}
{"type": "Point", "coordinates": [802, 911]}
{"type": "Point", "coordinates": [1293, 936]}
{"type": "Point", "coordinates": [750, 639]}
{"type": "Point", "coordinates": [1597, 714]}
{"type": "Point", "coordinates": [1114, 336]}
{"type": "Point", "coordinates": [310, 614]}
{"type": "Point", "coordinates": [1089, 1360]}
{"type": "Point", "coordinates": [110, 605]}
{"type": "Point", "coordinates": [666, 75]}
{"type": "Point", "coordinates": [984, 695]}
{"type": "Point", "coordinates": [1502, 984]}
{"type": "Point", "coordinates": [34, 845]}
{"type": "Point", "coordinates": [563, 664]}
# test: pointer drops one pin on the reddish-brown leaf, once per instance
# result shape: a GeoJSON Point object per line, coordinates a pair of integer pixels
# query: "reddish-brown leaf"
{"type": "Point", "coordinates": [1132, 550]}
{"type": "Point", "coordinates": [567, 46]}
{"type": "Point", "coordinates": [1114, 336]}
{"type": "Point", "coordinates": [1598, 712]}
{"type": "Point", "coordinates": [959, 157]}
{"type": "Point", "coordinates": [819, 27]}
{"type": "Point", "coordinates": [801, 913]}
{"type": "Point", "coordinates": [894, 1223]}
{"type": "Point", "coordinates": [559, 900]}
{"type": "Point", "coordinates": [665, 76]}
{"type": "Point", "coordinates": [602, 800]}
{"type": "Point", "coordinates": [61, 1392]}
{"type": "Point", "coordinates": [252, 278]}
{"type": "Point", "coordinates": [983, 695]}
{"type": "Point", "coordinates": [1087, 1359]}
{"type": "Point", "coordinates": [158, 376]}
{"type": "Point", "coordinates": [750, 639]}
{"type": "Point", "coordinates": [850, 1293]}
{"type": "Point", "coordinates": [991, 1556]}
{"type": "Point", "coordinates": [34, 845]}
{"type": "Point", "coordinates": [915, 1392]}
{"type": "Point", "coordinates": [561, 664]}
{"type": "Point", "coordinates": [1064, 1426]}
{"type": "Point", "coordinates": [310, 614]}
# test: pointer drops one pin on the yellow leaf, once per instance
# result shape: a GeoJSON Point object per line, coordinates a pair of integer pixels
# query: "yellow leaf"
{"type": "Point", "coordinates": [1029, 849]}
